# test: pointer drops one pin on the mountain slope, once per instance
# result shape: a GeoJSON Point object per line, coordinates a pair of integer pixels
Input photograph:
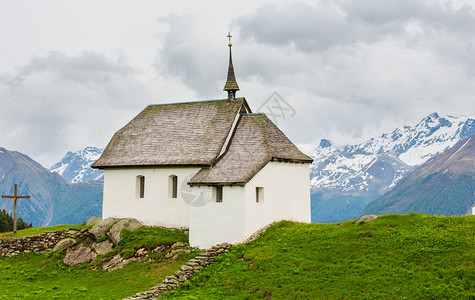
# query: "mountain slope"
{"type": "Point", "coordinates": [444, 185]}
{"type": "Point", "coordinates": [52, 197]}
{"type": "Point", "coordinates": [345, 179]}
{"type": "Point", "coordinates": [76, 166]}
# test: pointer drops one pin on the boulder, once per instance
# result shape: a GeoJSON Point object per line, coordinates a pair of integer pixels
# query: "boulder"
{"type": "Point", "coordinates": [79, 255]}
{"type": "Point", "coordinates": [103, 247]}
{"type": "Point", "coordinates": [367, 218]}
{"type": "Point", "coordinates": [128, 224]}
{"type": "Point", "coordinates": [63, 244]}
{"type": "Point", "coordinates": [100, 228]}
{"type": "Point", "coordinates": [92, 221]}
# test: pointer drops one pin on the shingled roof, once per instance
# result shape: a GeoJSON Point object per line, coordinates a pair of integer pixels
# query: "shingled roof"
{"type": "Point", "coordinates": [179, 134]}
{"type": "Point", "coordinates": [256, 142]}
{"type": "Point", "coordinates": [230, 143]}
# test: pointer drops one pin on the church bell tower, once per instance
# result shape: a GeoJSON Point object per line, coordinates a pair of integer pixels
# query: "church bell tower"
{"type": "Point", "coordinates": [231, 85]}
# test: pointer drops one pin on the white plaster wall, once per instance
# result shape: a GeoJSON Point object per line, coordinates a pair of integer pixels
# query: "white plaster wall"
{"type": "Point", "coordinates": [156, 208]}
{"type": "Point", "coordinates": [286, 195]}
{"type": "Point", "coordinates": [216, 223]}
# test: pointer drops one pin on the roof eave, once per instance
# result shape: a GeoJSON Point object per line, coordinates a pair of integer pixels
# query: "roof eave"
{"type": "Point", "coordinates": [292, 160]}
{"type": "Point", "coordinates": [102, 167]}
{"type": "Point", "coordinates": [216, 183]}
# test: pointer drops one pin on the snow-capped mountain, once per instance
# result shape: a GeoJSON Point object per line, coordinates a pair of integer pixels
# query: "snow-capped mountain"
{"type": "Point", "coordinates": [53, 199]}
{"type": "Point", "coordinates": [76, 166]}
{"type": "Point", "coordinates": [414, 145]}
{"type": "Point", "coordinates": [443, 185]}
{"type": "Point", "coordinates": [345, 179]}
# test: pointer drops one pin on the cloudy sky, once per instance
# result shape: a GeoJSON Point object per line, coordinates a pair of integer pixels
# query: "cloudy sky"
{"type": "Point", "coordinates": [74, 72]}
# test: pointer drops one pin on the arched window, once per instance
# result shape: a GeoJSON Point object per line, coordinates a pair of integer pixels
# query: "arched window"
{"type": "Point", "coordinates": [140, 186]}
{"type": "Point", "coordinates": [172, 186]}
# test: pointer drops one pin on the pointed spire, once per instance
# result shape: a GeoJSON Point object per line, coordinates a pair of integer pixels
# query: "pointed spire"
{"type": "Point", "coordinates": [231, 85]}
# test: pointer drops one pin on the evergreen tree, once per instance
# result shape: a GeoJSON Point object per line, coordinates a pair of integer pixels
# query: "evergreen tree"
{"type": "Point", "coordinates": [3, 222]}
{"type": "Point", "coordinates": [6, 222]}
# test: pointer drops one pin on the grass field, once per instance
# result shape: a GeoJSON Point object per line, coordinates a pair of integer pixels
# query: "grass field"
{"type": "Point", "coordinates": [41, 276]}
{"type": "Point", "coordinates": [38, 230]}
{"type": "Point", "coordinates": [394, 257]}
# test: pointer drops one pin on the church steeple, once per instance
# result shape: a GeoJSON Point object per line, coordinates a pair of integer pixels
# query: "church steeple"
{"type": "Point", "coordinates": [231, 85]}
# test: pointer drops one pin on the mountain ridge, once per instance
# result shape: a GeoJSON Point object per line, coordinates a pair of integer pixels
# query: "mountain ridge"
{"type": "Point", "coordinates": [76, 166]}
{"type": "Point", "coordinates": [52, 198]}
{"type": "Point", "coordinates": [345, 179]}
{"type": "Point", "coordinates": [443, 185]}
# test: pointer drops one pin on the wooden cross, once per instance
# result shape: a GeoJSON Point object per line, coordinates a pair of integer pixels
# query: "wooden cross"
{"type": "Point", "coordinates": [15, 197]}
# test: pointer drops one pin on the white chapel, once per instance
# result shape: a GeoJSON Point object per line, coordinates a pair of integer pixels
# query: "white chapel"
{"type": "Point", "coordinates": [213, 167]}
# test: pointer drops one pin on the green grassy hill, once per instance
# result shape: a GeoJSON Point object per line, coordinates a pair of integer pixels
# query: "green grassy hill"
{"type": "Point", "coordinates": [43, 276]}
{"type": "Point", "coordinates": [394, 257]}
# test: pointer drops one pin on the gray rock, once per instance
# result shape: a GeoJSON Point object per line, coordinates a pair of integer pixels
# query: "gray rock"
{"type": "Point", "coordinates": [186, 268]}
{"type": "Point", "coordinates": [128, 224]}
{"type": "Point", "coordinates": [63, 244]}
{"type": "Point", "coordinates": [103, 247]}
{"type": "Point", "coordinates": [367, 218]}
{"type": "Point", "coordinates": [79, 255]}
{"type": "Point", "coordinates": [113, 262]}
{"type": "Point", "coordinates": [89, 241]}
{"type": "Point", "coordinates": [120, 265]}
{"type": "Point", "coordinates": [160, 249]}
{"type": "Point", "coordinates": [178, 245]}
{"type": "Point", "coordinates": [72, 232]}
{"type": "Point", "coordinates": [100, 228]}
{"type": "Point", "coordinates": [92, 221]}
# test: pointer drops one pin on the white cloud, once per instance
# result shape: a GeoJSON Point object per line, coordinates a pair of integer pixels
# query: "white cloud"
{"type": "Point", "coordinates": [371, 69]}
{"type": "Point", "coordinates": [351, 69]}
{"type": "Point", "coordinates": [59, 103]}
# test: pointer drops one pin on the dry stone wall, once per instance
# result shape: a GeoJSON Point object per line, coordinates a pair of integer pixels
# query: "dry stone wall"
{"type": "Point", "coordinates": [186, 271]}
{"type": "Point", "coordinates": [35, 243]}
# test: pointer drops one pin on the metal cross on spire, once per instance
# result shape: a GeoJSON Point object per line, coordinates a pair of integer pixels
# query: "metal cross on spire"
{"type": "Point", "coordinates": [229, 37]}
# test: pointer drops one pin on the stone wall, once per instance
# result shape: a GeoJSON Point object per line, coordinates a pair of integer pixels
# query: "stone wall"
{"type": "Point", "coordinates": [172, 282]}
{"type": "Point", "coordinates": [35, 243]}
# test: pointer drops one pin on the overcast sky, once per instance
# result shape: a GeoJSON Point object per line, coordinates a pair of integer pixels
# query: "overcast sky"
{"type": "Point", "coordinates": [74, 72]}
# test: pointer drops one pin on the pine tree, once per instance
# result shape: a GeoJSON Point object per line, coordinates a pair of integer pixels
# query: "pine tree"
{"type": "Point", "coordinates": [3, 222]}
{"type": "Point", "coordinates": [6, 222]}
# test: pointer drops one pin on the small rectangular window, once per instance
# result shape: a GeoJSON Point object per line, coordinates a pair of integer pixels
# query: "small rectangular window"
{"type": "Point", "coordinates": [140, 186]}
{"type": "Point", "coordinates": [219, 193]}
{"type": "Point", "coordinates": [175, 187]}
{"type": "Point", "coordinates": [172, 186]}
{"type": "Point", "coordinates": [259, 194]}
